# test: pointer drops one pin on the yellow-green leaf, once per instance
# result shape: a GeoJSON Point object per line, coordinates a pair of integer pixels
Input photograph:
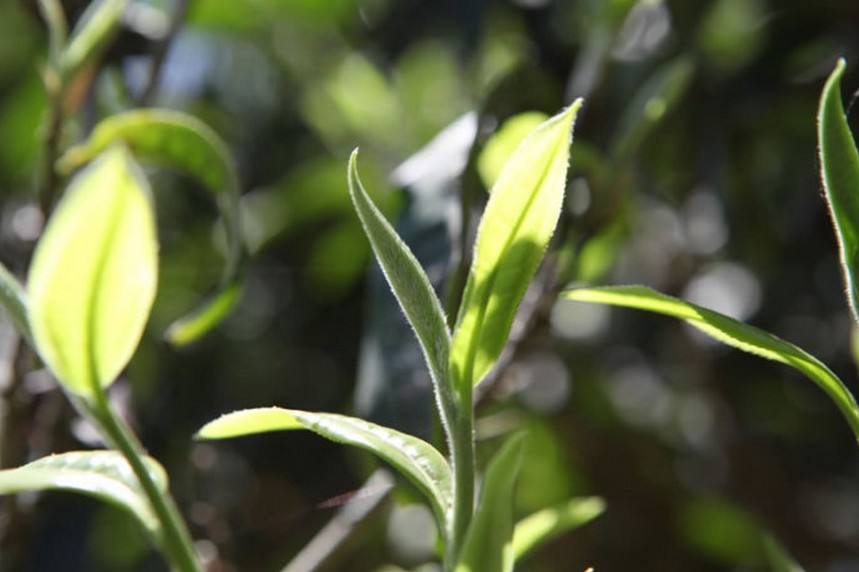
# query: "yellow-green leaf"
{"type": "Point", "coordinates": [417, 460]}
{"type": "Point", "coordinates": [94, 274]}
{"type": "Point", "coordinates": [105, 475]}
{"type": "Point", "coordinates": [91, 36]}
{"type": "Point", "coordinates": [839, 169]}
{"type": "Point", "coordinates": [504, 142]}
{"type": "Point", "coordinates": [728, 331]}
{"type": "Point", "coordinates": [546, 524]}
{"type": "Point", "coordinates": [180, 141]}
{"type": "Point", "coordinates": [519, 220]}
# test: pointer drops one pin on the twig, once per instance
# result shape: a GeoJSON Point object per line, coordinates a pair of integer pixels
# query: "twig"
{"type": "Point", "coordinates": [159, 56]}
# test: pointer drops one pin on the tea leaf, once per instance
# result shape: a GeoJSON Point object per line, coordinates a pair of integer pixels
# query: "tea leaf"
{"type": "Point", "coordinates": [180, 141]}
{"type": "Point", "coordinates": [839, 169]}
{"type": "Point", "coordinates": [95, 29]}
{"type": "Point", "coordinates": [504, 142]}
{"type": "Point", "coordinates": [520, 217]}
{"type": "Point", "coordinates": [412, 289]}
{"type": "Point", "coordinates": [489, 543]}
{"type": "Point", "coordinates": [546, 524]}
{"type": "Point", "coordinates": [14, 300]}
{"type": "Point", "coordinates": [105, 475]}
{"type": "Point", "coordinates": [728, 331]}
{"type": "Point", "coordinates": [419, 461]}
{"type": "Point", "coordinates": [94, 275]}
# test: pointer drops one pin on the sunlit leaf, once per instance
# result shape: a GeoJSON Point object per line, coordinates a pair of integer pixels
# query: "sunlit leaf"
{"type": "Point", "coordinates": [504, 142]}
{"type": "Point", "coordinates": [419, 461]}
{"type": "Point", "coordinates": [91, 36]}
{"type": "Point", "coordinates": [176, 140]}
{"type": "Point", "coordinates": [13, 299]}
{"type": "Point", "coordinates": [105, 475]}
{"type": "Point", "coordinates": [94, 274]}
{"type": "Point", "coordinates": [728, 331]}
{"type": "Point", "coordinates": [411, 287]}
{"type": "Point", "coordinates": [549, 523]}
{"type": "Point", "coordinates": [839, 169]}
{"type": "Point", "coordinates": [489, 543]}
{"type": "Point", "coordinates": [519, 220]}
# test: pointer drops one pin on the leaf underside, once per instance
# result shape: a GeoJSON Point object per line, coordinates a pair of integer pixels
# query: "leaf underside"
{"type": "Point", "coordinates": [105, 475]}
{"type": "Point", "coordinates": [419, 461]}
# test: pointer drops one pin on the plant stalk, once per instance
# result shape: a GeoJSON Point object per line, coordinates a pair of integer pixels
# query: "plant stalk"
{"type": "Point", "coordinates": [177, 543]}
{"type": "Point", "coordinates": [462, 458]}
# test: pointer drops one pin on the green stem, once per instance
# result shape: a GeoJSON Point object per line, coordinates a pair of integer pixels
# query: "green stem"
{"type": "Point", "coordinates": [177, 542]}
{"type": "Point", "coordinates": [462, 453]}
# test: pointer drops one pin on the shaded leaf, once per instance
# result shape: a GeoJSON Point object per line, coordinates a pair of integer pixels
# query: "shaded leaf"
{"type": "Point", "coordinates": [839, 169]}
{"type": "Point", "coordinates": [489, 543]}
{"type": "Point", "coordinates": [777, 557]}
{"type": "Point", "coordinates": [519, 220]}
{"type": "Point", "coordinates": [180, 141]}
{"type": "Point", "coordinates": [412, 289]}
{"type": "Point", "coordinates": [91, 36]}
{"type": "Point", "coordinates": [728, 331]}
{"type": "Point", "coordinates": [13, 299]}
{"type": "Point", "coordinates": [94, 274]}
{"type": "Point", "coordinates": [419, 461]}
{"type": "Point", "coordinates": [546, 524]}
{"type": "Point", "coordinates": [105, 475]}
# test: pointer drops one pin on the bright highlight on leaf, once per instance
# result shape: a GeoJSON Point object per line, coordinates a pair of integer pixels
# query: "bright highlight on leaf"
{"type": "Point", "coordinates": [519, 220]}
{"type": "Point", "coordinates": [94, 275]}
{"type": "Point", "coordinates": [419, 461]}
{"type": "Point", "coordinates": [549, 523]}
{"type": "Point", "coordinates": [105, 475]}
{"type": "Point", "coordinates": [504, 142]}
{"type": "Point", "coordinates": [412, 289]}
{"type": "Point", "coordinates": [489, 543]}
{"type": "Point", "coordinates": [728, 331]}
{"type": "Point", "coordinates": [180, 141]}
{"type": "Point", "coordinates": [839, 169]}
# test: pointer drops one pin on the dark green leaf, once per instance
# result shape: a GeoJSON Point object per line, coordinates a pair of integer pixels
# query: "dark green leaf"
{"type": "Point", "coordinates": [728, 331]}
{"type": "Point", "coordinates": [839, 169]}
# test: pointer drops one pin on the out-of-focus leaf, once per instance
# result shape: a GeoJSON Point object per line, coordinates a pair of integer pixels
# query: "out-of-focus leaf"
{"type": "Point", "coordinates": [721, 531]}
{"type": "Point", "coordinates": [419, 461]}
{"type": "Point", "coordinates": [489, 543]}
{"type": "Point", "coordinates": [501, 145]}
{"type": "Point", "coordinates": [105, 475]}
{"type": "Point", "coordinates": [732, 32]}
{"type": "Point", "coordinates": [731, 332]}
{"type": "Point", "coordinates": [179, 141]}
{"type": "Point", "coordinates": [91, 36]}
{"type": "Point", "coordinates": [659, 95]}
{"type": "Point", "coordinates": [546, 524]}
{"type": "Point", "coordinates": [778, 558]}
{"type": "Point", "coordinates": [519, 220]}
{"type": "Point", "coordinates": [21, 113]}
{"type": "Point", "coordinates": [94, 274]}
{"type": "Point", "coordinates": [839, 169]}
{"type": "Point", "coordinates": [13, 299]}
{"type": "Point", "coordinates": [412, 289]}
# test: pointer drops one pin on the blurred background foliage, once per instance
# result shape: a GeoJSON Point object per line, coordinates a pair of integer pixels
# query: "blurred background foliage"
{"type": "Point", "coordinates": [694, 171]}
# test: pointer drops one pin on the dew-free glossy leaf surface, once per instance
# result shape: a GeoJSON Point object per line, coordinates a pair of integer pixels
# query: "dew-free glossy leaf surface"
{"type": "Point", "coordinates": [419, 461]}
{"type": "Point", "coordinates": [13, 299]}
{"type": "Point", "coordinates": [180, 141]}
{"type": "Point", "coordinates": [839, 169]}
{"type": "Point", "coordinates": [94, 274]}
{"type": "Point", "coordinates": [411, 287]}
{"type": "Point", "coordinates": [105, 475]}
{"type": "Point", "coordinates": [489, 543]}
{"type": "Point", "coordinates": [551, 522]}
{"type": "Point", "coordinates": [519, 220]}
{"type": "Point", "coordinates": [728, 331]}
